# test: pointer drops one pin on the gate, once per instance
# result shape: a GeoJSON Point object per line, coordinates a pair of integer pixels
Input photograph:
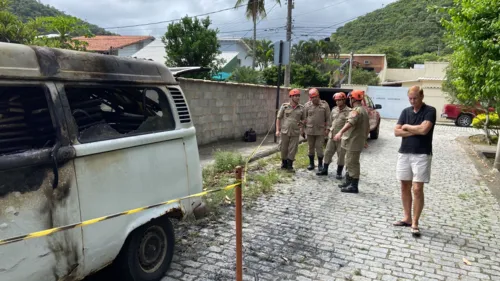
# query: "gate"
{"type": "Point", "coordinates": [392, 99]}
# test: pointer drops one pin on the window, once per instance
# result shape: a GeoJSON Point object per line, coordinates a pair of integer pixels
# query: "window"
{"type": "Point", "coordinates": [103, 113]}
{"type": "Point", "coordinates": [369, 102]}
{"type": "Point", "coordinates": [25, 121]}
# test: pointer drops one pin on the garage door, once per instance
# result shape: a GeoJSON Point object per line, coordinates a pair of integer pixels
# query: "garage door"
{"type": "Point", "coordinates": [392, 99]}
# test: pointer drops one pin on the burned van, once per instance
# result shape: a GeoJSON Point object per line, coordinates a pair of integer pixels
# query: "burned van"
{"type": "Point", "coordinates": [83, 136]}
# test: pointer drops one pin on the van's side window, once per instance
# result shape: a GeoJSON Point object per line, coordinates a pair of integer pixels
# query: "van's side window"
{"type": "Point", "coordinates": [103, 113]}
{"type": "Point", "coordinates": [25, 120]}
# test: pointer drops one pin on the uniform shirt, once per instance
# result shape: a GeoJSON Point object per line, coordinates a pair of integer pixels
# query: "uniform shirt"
{"type": "Point", "coordinates": [317, 118]}
{"type": "Point", "coordinates": [338, 119]}
{"type": "Point", "coordinates": [418, 144]}
{"type": "Point", "coordinates": [355, 138]}
{"type": "Point", "coordinates": [292, 118]}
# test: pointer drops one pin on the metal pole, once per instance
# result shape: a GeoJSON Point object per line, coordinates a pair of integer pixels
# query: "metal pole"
{"type": "Point", "coordinates": [497, 157]}
{"type": "Point", "coordinates": [278, 88]}
{"type": "Point", "coordinates": [239, 238]}
{"type": "Point", "coordinates": [288, 39]}
{"type": "Point", "coordinates": [350, 68]}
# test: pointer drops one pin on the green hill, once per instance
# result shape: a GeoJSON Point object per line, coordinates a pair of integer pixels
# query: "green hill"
{"type": "Point", "coordinates": [26, 9]}
{"type": "Point", "coordinates": [405, 29]}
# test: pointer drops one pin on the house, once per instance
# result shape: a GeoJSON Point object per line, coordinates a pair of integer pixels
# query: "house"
{"type": "Point", "coordinates": [429, 76]}
{"type": "Point", "coordinates": [122, 46]}
{"type": "Point", "coordinates": [369, 62]}
{"type": "Point", "coordinates": [235, 53]}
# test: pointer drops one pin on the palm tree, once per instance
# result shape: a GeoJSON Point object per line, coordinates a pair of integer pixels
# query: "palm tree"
{"type": "Point", "coordinates": [255, 9]}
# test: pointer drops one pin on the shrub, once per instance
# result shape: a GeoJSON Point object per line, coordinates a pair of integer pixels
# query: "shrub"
{"type": "Point", "coordinates": [246, 74]}
{"type": "Point", "coordinates": [226, 161]}
{"type": "Point", "coordinates": [493, 125]}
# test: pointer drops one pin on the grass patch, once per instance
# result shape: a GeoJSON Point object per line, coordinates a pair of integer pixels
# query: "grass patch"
{"type": "Point", "coordinates": [262, 176]}
{"type": "Point", "coordinates": [227, 161]}
{"type": "Point", "coordinates": [464, 196]}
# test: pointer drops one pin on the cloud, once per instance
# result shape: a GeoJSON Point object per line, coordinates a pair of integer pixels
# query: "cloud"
{"type": "Point", "coordinates": [312, 18]}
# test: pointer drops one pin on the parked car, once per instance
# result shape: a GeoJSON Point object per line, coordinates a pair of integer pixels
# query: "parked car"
{"type": "Point", "coordinates": [462, 114]}
{"type": "Point", "coordinates": [84, 136]}
{"type": "Point", "coordinates": [326, 94]}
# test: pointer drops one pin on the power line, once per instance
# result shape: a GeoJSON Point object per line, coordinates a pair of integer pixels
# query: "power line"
{"type": "Point", "coordinates": [167, 21]}
{"type": "Point", "coordinates": [335, 24]}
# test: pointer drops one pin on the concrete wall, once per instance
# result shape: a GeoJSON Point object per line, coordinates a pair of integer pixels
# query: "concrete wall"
{"type": "Point", "coordinates": [433, 95]}
{"type": "Point", "coordinates": [400, 74]}
{"type": "Point", "coordinates": [224, 110]}
{"type": "Point", "coordinates": [354, 87]}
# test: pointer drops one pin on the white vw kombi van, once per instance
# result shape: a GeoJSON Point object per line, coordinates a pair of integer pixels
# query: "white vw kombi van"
{"type": "Point", "coordinates": [83, 136]}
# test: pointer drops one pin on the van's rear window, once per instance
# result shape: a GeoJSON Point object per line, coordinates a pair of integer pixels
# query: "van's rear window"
{"type": "Point", "coordinates": [25, 120]}
{"type": "Point", "coordinates": [103, 112]}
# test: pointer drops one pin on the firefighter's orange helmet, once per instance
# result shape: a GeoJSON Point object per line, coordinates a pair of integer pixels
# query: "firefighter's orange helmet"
{"type": "Point", "coordinates": [294, 92]}
{"type": "Point", "coordinates": [313, 92]}
{"type": "Point", "coordinates": [339, 96]}
{"type": "Point", "coordinates": [357, 95]}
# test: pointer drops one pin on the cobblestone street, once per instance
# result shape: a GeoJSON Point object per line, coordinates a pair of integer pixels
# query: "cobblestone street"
{"type": "Point", "coordinates": [309, 230]}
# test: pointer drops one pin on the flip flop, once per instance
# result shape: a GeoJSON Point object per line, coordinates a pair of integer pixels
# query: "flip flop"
{"type": "Point", "coordinates": [415, 231]}
{"type": "Point", "coordinates": [401, 223]}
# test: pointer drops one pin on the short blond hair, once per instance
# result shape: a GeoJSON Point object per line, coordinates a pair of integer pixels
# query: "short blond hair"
{"type": "Point", "coordinates": [416, 89]}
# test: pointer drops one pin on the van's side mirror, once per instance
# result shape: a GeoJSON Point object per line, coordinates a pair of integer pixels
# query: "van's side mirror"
{"type": "Point", "coordinates": [378, 106]}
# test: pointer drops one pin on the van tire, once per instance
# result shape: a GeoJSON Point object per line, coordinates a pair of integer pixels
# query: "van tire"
{"type": "Point", "coordinates": [132, 263]}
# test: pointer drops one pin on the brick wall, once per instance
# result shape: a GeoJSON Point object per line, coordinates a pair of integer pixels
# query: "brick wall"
{"type": "Point", "coordinates": [222, 110]}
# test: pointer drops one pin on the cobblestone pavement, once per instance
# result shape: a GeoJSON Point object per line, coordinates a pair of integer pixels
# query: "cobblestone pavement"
{"type": "Point", "coordinates": [309, 230]}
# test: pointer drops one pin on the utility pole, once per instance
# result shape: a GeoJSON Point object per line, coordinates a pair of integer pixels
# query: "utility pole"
{"type": "Point", "coordinates": [350, 68]}
{"type": "Point", "coordinates": [288, 39]}
{"type": "Point", "coordinates": [497, 158]}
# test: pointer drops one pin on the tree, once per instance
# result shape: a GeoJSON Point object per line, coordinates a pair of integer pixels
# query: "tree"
{"type": "Point", "coordinates": [263, 53]}
{"type": "Point", "coordinates": [473, 32]}
{"type": "Point", "coordinates": [313, 52]}
{"type": "Point", "coordinates": [191, 42]}
{"type": "Point", "coordinates": [66, 28]}
{"type": "Point", "coordinates": [13, 30]}
{"type": "Point", "coordinates": [255, 9]}
{"type": "Point", "coordinates": [303, 75]}
{"type": "Point", "coordinates": [363, 77]}
{"type": "Point", "coordinates": [246, 74]}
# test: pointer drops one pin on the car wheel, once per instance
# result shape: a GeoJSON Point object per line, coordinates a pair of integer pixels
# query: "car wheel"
{"type": "Point", "coordinates": [148, 252]}
{"type": "Point", "coordinates": [464, 120]}
{"type": "Point", "coordinates": [374, 133]}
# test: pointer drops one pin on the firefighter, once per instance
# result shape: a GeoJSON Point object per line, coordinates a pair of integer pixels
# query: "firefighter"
{"type": "Point", "coordinates": [354, 137]}
{"type": "Point", "coordinates": [338, 118]}
{"type": "Point", "coordinates": [316, 127]}
{"type": "Point", "coordinates": [289, 125]}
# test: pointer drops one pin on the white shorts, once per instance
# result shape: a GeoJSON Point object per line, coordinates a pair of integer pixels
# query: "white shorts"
{"type": "Point", "coordinates": [414, 167]}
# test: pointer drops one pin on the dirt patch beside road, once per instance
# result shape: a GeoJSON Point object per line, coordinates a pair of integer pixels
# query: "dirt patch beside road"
{"type": "Point", "coordinates": [484, 165]}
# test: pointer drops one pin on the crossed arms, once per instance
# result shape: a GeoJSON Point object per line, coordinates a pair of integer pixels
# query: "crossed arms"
{"type": "Point", "coordinates": [412, 130]}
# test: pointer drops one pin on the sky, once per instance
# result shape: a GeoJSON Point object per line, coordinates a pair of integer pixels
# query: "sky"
{"type": "Point", "coordinates": [311, 18]}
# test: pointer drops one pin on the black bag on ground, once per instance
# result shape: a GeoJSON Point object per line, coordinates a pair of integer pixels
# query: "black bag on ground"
{"type": "Point", "coordinates": [250, 136]}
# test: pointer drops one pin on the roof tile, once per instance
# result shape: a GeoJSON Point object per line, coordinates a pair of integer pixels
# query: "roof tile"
{"type": "Point", "coordinates": [105, 42]}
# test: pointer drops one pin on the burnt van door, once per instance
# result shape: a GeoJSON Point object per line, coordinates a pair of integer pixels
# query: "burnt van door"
{"type": "Point", "coordinates": [35, 193]}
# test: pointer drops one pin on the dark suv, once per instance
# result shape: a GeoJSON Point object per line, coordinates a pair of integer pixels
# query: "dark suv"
{"type": "Point", "coordinates": [326, 94]}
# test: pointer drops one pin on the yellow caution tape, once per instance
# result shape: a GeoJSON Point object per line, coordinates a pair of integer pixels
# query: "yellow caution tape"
{"type": "Point", "coordinates": [96, 220]}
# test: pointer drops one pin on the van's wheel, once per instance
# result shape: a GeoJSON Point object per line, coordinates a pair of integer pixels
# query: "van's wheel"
{"type": "Point", "coordinates": [148, 252]}
{"type": "Point", "coordinates": [374, 133]}
{"type": "Point", "coordinates": [464, 120]}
